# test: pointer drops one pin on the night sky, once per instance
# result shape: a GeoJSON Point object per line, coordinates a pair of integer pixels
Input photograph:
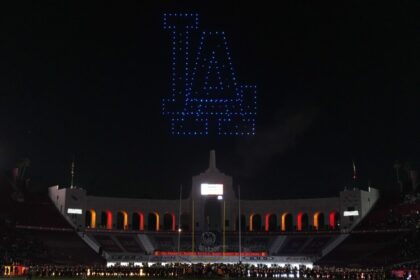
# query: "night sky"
{"type": "Point", "coordinates": [337, 82]}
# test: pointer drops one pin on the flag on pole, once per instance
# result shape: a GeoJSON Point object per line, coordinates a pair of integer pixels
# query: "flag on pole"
{"type": "Point", "coordinates": [354, 171]}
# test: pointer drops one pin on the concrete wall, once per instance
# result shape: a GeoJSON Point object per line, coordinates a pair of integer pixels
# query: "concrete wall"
{"type": "Point", "coordinates": [349, 199]}
{"type": "Point", "coordinates": [291, 206]}
{"type": "Point", "coordinates": [73, 198]}
{"type": "Point", "coordinates": [356, 200]}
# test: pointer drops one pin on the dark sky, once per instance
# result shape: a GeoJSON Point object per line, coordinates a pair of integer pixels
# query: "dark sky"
{"type": "Point", "coordinates": [337, 81]}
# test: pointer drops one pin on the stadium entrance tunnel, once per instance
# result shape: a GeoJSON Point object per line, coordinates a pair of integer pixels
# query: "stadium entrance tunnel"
{"type": "Point", "coordinates": [169, 221]}
{"type": "Point", "coordinates": [255, 222]}
{"type": "Point", "coordinates": [319, 221]}
{"type": "Point", "coordinates": [122, 220]}
{"type": "Point", "coordinates": [286, 222]}
{"type": "Point", "coordinates": [153, 221]}
{"type": "Point", "coordinates": [137, 221]}
{"type": "Point", "coordinates": [90, 220]}
{"type": "Point", "coordinates": [106, 219]}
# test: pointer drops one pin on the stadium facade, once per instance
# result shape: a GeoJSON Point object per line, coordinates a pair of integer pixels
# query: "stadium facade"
{"type": "Point", "coordinates": [212, 209]}
{"type": "Point", "coordinates": [212, 198]}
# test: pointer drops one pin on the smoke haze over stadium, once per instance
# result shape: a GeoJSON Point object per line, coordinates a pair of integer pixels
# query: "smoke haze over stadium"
{"type": "Point", "coordinates": [337, 83]}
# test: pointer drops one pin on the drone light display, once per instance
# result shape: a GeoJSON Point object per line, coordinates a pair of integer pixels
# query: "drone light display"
{"type": "Point", "coordinates": [205, 93]}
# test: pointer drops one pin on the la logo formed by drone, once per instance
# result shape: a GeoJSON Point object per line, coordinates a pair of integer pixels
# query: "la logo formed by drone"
{"type": "Point", "coordinates": [205, 94]}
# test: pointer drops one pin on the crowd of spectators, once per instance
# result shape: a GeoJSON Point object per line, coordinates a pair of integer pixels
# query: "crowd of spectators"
{"type": "Point", "coordinates": [16, 246]}
{"type": "Point", "coordinates": [411, 198]}
{"type": "Point", "coordinates": [408, 246]}
{"type": "Point", "coordinates": [217, 270]}
{"type": "Point", "coordinates": [392, 214]}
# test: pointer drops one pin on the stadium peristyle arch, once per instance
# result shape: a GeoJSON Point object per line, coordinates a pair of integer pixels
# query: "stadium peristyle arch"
{"type": "Point", "coordinates": [334, 220]}
{"type": "Point", "coordinates": [319, 221]}
{"type": "Point", "coordinates": [255, 222]}
{"type": "Point", "coordinates": [106, 219]}
{"type": "Point", "coordinates": [137, 221]}
{"type": "Point", "coordinates": [205, 93]}
{"type": "Point", "coordinates": [169, 222]}
{"type": "Point", "coordinates": [122, 220]}
{"type": "Point", "coordinates": [153, 221]}
{"type": "Point", "coordinates": [270, 222]}
{"type": "Point", "coordinates": [302, 221]}
{"type": "Point", "coordinates": [90, 218]}
{"type": "Point", "coordinates": [286, 222]}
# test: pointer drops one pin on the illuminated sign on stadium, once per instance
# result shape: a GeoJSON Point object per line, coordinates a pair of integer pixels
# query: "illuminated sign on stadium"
{"type": "Point", "coordinates": [211, 189]}
{"type": "Point", "coordinates": [351, 213]}
{"type": "Point", "coordinates": [74, 211]}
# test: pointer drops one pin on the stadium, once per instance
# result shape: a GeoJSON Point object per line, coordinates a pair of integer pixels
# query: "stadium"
{"type": "Point", "coordinates": [112, 113]}
{"type": "Point", "coordinates": [357, 228]}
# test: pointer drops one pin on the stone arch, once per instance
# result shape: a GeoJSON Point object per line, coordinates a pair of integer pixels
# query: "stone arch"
{"type": "Point", "coordinates": [319, 221]}
{"type": "Point", "coordinates": [90, 220]}
{"type": "Point", "coordinates": [334, 220]}
{"type": "Point", "coordinates": [122, 220]}
{"type": "Point", "coordinates": [169, 221]}
{"type": "Point", "coordinates": [255, 222]}
{"type": "Point", "coordinates": [137, 221]}
{"type": "Point", "coordinates": [286, 222]}
{"type": "Point", "coordinates": [106, 219]}
{"type": "Point", "coordinates": [153, 221]}
{"type": "Point", "coordinates": [302, 222]}
{"type": "Point", "coordinates": [270, 222]}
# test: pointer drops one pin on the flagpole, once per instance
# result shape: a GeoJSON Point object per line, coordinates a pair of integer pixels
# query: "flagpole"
{"type": "Point", "coordinates": [354, 171]}
{"type": "Point", "coordinates": [224, 227]}
{"type": "Point", "coordinates": [240, 223]}
{"type": "Point", "coordinates": [193, 228]}
{"type": "Point", "coordinates": [179, 219]}
{"type": "Point", "coordinates": [72, 174]}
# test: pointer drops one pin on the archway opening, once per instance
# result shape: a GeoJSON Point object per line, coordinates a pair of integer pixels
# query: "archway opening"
{"type": "Point", "coordinates": [319, 221]}
{"type": "Point", "coordinates": [255, 222]}
{"type": "Point", "coordinates": [302, 222]}
{"type": "Point", "coordinates": [286, 222]}
{"type": "Point", "coordinates": [122, 220]}
{"type": "Point", "coordinates": [270, 222]}
{"type": "Point", "coordinates": [153, 221]}
{"type": "Point", "coordinates": [106, 219]}
{"type": "Point", "coordinates": [169, 221]}
{"type": "Point", "coordinates": [137, 221]}
{"type": "Point", "coordinates": [90, 220]}
{"type": "Point", "coordinates": [334, 220]}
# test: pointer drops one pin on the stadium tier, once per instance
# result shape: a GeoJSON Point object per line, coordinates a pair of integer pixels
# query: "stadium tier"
{"type": "Point", "coordinates": [33, 231]}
